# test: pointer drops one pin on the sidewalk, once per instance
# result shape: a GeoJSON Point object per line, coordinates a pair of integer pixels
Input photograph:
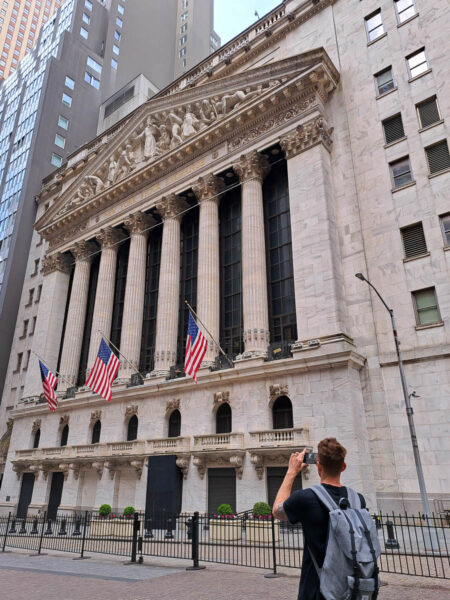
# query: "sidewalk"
{"type": "Point", "coordinates": [108, 578]}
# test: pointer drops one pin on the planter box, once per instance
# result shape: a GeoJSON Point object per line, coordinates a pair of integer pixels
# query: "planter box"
{"type": "Point", "coordinates": [114, 528]}
{"type": "Point", "coordinates": [261, 531]}
{"type": "Point", "coordinates": [225, 530]}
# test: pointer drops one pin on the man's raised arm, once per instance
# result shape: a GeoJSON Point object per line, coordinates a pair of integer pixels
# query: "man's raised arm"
{"type": "Point", "coordinates": [296, 464]}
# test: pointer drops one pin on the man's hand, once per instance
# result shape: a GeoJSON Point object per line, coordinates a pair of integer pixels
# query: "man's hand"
{"type": "Point", "coordinates": [296, 463]}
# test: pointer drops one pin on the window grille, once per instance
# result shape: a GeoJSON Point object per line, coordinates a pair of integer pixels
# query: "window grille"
{"type": "Point", "coordinates": [428, 112]}
{"type": "Point", "coordinates": [393, 129]}
{"type": "Point", "coordinates": [414, 241]}
{"type": "Point", "coordinates": [438, 157]}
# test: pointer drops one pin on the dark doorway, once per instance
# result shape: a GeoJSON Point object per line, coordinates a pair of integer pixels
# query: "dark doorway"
{"type": "Point", "coordinates": [221, 489]}
{"type": "Point", "coordinates": [26, 492]}
{"type": "Point", "coordinates": [275, 476]}
{"type": "Point", "coordinates": [55, 495]}
{"type": "Point", "coordinates": [164, 490]}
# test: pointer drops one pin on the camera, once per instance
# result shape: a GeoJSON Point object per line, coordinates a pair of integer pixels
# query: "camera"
{"type": "Point", "coordinates": [310, 458]}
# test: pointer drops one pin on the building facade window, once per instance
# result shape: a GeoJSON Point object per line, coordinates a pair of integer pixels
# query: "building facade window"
{"type": "Point", "coordinates": [60, 140]}
{"type": "Point", "coordinates": [384, 81]}
{"type": "Point", "coordinates": [151, 300]}
{"type": "Point", "coordinates": [114, 64]}
{"type": "Point", "coordinates": [63, 122]}
{"type": "Point", "coordinates": [86, 18]}
{"type": "Point", "coordinates": [445, 226]}
{"type": "Point", "coordinates": [69, 82]}
{"type": "Point", "coordinates": [374, 26]}
{"type": "Point", "coordinates": [119, 292]}
{"type": "Point", "coordinates": [405, 9]}
{"type": "Point", "coordinates": [183, 28]}
{"type": "Point", "coordinates": [414, 242]}
{"type": "Point", "coordinates": [401, 173]}
{"type": "Point", "coordinates": [84, 33]}
{"type": "Point", "coordinates": [66, 99]}
{"type": "Point", "coordinates": [174, 424]}
{"type": "Point", "coordinates": [393, 129]}
{"type": "Point", "coordinates": [120, 9]}
{"type": "Point", "coordinates": [88, 4]}
{"type": "Point", "coordinates": [438, 157]}
{"type": "Point", "coordinates": [428, 112]}
{"type": "Point", "coordinates": [223, 419]}
{"type": "Point", "coordinates": [92, 80]}
{"type": "Point", "coordinates": [93, 64]}
{"type": "Point", "coordinates": [117, 35]}
{"type": "Point", "coordinates": [132, 429]}
{"type": "Point", "coordinates": [183, 40]}
{"type": "Point", "coordinates": [36, 439]}
{"type": "Point", "coordinates": [417, 63]}
{"type": "Point", "coordinates": [119, 22]}
{"type": "Point", "coordinates": [426, 307]}
{"type": "Point", "coordinates": [182, 52]}
{"type": "Point", "coordinates": [116, 49]}
{"type": "Point", "coordinates": [184, 16]}
{"type": "Point", "coordinates": [64, 435]}
{"type": "Point", "coordinates": [282, 413]}
{"type": "Point", "coordinates": [56, 160]}
{"type": "Point", "coordinates": [96, 431]}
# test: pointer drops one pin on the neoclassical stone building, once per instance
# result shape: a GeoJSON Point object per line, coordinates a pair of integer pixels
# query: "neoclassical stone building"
{"type": "Point", "coordinates": [311, 147]}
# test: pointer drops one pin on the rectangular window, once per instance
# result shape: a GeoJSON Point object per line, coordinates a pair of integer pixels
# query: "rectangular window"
{"type": "Point", "coordinates": [88, 4]}
{"type": "Point", "coordinates": [94, 64]}
{"type": "Point", "coordinates": [19, 362]}
{"type": "Point", "coordinates": [56, 160]}
{"type": "Point", "coordinates": [417, 63]}
{"type": "Point", "coordinates": [400, 172]}
{"type": "Point", "coordinates": [27, 362]}
{"type": "Point", "coordinates": [438, 157]}
{"type": "Point", "coordinates": [116, 49]}
{"type": "Point", "coordinates": [427, 310]}
{"type": "Point", "coordinates": [414, 242]}
{"type": "Point", "coordinates": [184, 4]}
{"type": "Point", "coordinates": [182, 52]}
{"type": "Point", "coordinates": [120, 9]}
{"type": "Point", "coordinates": [393, 129]}
{"type": "Point", "coordinates": [33, 326]}
{"type": "Point", "coordinates": [69, 83]}
{"type": "Point", "coordinates": [84, 33]}
{"type": "Point", "coordinates": [66, 99]}
{"type": "Point", "coordinates": [445, 225]}
{"type": "Point", "coordinates": [63, 122]}
{"type": "Point", "coordinates": [119, 22]}
{"type": "Point", "coordinates": [25, 328]}
{"type": "Point", "coordinates": [183, 40]}
{"type": "Point", "coordinates": [428, 112]}
{"type": "Point", "coordinates": [374, 26]}
{"type": "Point", "coordinates": [184, 16]}
{"type": "Point", "coordinates": [405, 9]}
{"type": "Point", "coordinates": [86, 18]}
{"type": "Point", "coordinates": [30, 297]}
{"type": "Point", "coordinates": [39, 292]}
{"type": "Point", "coordinates": [384, 81]}
{"type": "Point", "coordinates": [60, 140]}
{"type": "Point", "coordinates": [92, 80]}
{"type": "Point", "coordinates": [117, 35]}
{"type": "Point", "coordinates": [114, 64]}
{"type": "Point", "coordinates": [183, 28]}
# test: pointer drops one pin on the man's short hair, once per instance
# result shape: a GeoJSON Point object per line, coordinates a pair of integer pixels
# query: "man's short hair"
{"type": "Point", "coordinates": [331, 455]}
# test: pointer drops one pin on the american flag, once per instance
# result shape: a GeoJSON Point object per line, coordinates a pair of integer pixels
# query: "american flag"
{"type": "Point", "coordinates": [49, 382]}
{"type": "Point", "coordinates": [196, 345]}
{"type": "Point", "coordinates": [103, 372]}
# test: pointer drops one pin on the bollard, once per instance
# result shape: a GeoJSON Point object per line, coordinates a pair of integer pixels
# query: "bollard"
{"type": "Point", "coordinates": [391, 543]}
{"type": "Point", "coordinates": [195, 542]}
{"type": "Point", "coordinates": [22, 527]}
{"type": "Point", "coordinates": [136, 527]}
{"type": "Point", "coordinates": [77, 530]}
{"type": "Point", "coordinates": [34, 530]}
{"type": "Point", "coordinates": [189, 528]}
{"type": "Point", "coordinates": [169, 534]}
{"type": "Point", "coordinates": [6, 532]}
{"type": "Point", "coordinates": [62, 528]}
{"type": "Point", "coordinates": [49, 530]}
{"type": "Point", "coordinates": [13, 527]}
{"type": "Point", "coordinates": [141, 558]}
{"type": "Point", "coordinates": [148, 529]}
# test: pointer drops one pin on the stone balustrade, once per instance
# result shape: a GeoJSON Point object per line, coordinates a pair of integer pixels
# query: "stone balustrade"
{"type": "Point", "coordinates": [219, 441]}
{"type": "Point", "coordinates": [275, 438]}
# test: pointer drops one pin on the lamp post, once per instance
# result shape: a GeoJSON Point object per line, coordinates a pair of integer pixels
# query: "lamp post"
{"type": "Point", "coordinates": [409, 409]}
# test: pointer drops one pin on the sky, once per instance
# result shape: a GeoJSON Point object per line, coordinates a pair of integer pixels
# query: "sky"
{"type": "Point", "coordinates": [233, 16]}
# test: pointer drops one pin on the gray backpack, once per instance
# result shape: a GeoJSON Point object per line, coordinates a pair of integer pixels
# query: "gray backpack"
{"type": "Point", "coordinates": [350, 570]}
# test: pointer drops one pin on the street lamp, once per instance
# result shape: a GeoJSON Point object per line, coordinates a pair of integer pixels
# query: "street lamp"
{"type": "Point", "coordinates": [409, 410]}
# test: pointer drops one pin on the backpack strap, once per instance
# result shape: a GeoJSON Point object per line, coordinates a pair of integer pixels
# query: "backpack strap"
{"type": "Point", "coordinates": [353, 498]}
{"type": "Point", "coordinates": [324, 497]}
{"type": "Point", "coordinates": [356, 570]}
{"type": "Point", "coordinates": [373, 553]}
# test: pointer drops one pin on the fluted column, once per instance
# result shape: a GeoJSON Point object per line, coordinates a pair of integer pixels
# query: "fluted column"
{"type": "Point", "coordinates": [73, 337]}
{"type": "Point", "coordinates": [169, 285]}
{"type": "Point", "coordinates": [133, 308]}
{"type": "Point", "coordinates": [208, 190]}
{"type": "Point", "coordinates": [109, 239]}
{"type": "Point", "coordinates": [251, 169]}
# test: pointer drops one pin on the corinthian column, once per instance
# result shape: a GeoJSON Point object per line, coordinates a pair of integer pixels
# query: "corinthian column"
{"type": "Point", "coordinates": [133, 308]}
{"type": "Point", "coordinates": [73, 337]}
{"type": "Point", "coordinates": [208, 190]}
{"type": "Point", "coordinates": [169, 285]}
{"type": "Point", "coordinates": [104, 297]}
{"type": "Point", "coordinates": [251, 170]}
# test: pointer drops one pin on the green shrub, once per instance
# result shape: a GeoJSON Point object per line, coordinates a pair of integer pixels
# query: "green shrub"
{"type": "Point", "coordinates": [224, 509]}
{"type": "Point", "coordinates": [104, 510]}
{"type": "Point", "coordinates": [129, 511]}
{"type": "Point", "coordinates": [261, 509]}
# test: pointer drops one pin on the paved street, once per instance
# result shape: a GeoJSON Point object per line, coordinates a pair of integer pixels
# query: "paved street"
{"type": "Point", "coordinates": [55, 577]}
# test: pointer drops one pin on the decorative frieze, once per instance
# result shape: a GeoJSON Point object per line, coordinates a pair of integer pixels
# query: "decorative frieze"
{"type": "Point", "coordinates": [56, 262]}
{"type": "Point", "coordinates": [252, 166]}
{"type": "Point", "coordinates": [306, 136]}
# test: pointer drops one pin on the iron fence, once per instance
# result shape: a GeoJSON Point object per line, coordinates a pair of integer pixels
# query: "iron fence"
{"type": "Point", "coordinates": [411, 545]}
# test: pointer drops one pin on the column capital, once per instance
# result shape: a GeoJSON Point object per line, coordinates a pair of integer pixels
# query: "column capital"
{"type": "Point", "coordinates": [252, 165]}
{"type": "Point", "coordinates": [170, 207]}
{"type": "Point", "coordinates": [83, 250]}
{"type": "Point", "coordinates": [109, 236]}
{"type": "Point", "coordinates": [138, 222]}
{"type": "Point", "coordinates": [209, 187]}
{"type": "Point", "coordinates": [306, 136]}
{"type": "Point", "coordinates": [56, 262]}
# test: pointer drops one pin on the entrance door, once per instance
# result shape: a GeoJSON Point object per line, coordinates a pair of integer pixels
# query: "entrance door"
{"type": "Point", "coordinates": [55, 495]}
{"type": "Point", "coordinates": [26, 492]}
{"type": "Point", "coordinates": [164, 488]}
{"type": "Point", "coordinates": [221, 489]}
{"type": "Point", "coordinates": [275, 476]}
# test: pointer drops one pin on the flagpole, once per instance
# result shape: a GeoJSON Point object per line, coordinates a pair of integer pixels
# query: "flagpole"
{"type": "Point", "coordinates": [122, 355]}
{"type": "Point", "coordinates": [56, 372]}
{"type": "Point", "coordinates": [230, 362]}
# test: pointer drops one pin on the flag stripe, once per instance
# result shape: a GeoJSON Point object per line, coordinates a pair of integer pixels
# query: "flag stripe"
{"type": "Point", "coordinates": [103, 372]}
{"type": "Point", "coordinates": [196, 345]}
{"type": "Point", "coordinates": [49, 382]}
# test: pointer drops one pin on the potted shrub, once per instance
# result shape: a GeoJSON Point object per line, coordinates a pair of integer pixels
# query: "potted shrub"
{"type": "Point", "coordinates": [108, 524]}
{"type": "Point", "coordinates": [128, 512]}
{"type": "Point", "coordinates": [259, 525]}
{"type": "Point", "coordinates": [225, 526]}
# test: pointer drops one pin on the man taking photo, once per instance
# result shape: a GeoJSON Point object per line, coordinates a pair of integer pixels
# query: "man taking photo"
{"type": "Point", "coordinates": [304, 507]}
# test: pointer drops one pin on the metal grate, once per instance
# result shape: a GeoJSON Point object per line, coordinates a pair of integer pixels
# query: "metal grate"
{"type": "Point", "coordinates": [428, 112]}
{"type": "Point", "coordinates": [438, 157]}
{"type": "Point", "coordinates": [414, 240]}
{"type": "Point", "coordinates": [393, 129]}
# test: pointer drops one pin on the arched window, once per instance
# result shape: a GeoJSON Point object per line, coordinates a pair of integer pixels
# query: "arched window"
{"type": "Point", "coordinates": [282, 413]}
{"type": "Point", "coordinates": [223, 418]}
{"type": "Point", "coordinates": [175, 424]}
{"type": "Point", "coordinates": [96, 430]}
{"type": "Point", "coordinates": [64, 435]}
{"type": "Point", "coordinates": [37, 437]}
{"type": "Point", "coordinates": [132, 428]}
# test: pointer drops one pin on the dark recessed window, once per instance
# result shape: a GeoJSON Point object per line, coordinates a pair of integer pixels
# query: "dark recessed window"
{"type": "Point", "coordinates": [36, 439]}
{"type": "Point", "coordinates": [414, 240]}
{"type": "Point", "coordinates": [400, 172]}
{"type": "Point", "coordinates": [427, 310]}
{"type": "Point", "coordinates": [384, 81]}
{"type": "Point", "coordinates": [428, 112]}
{"type": "Point", "coordinates": [223, 419]}
{"type": "Point", "coordinates": [96, 431]}
{"type": "Point", "coordinates": [445, 224]}
{"type": "Point", "coordinates": [132, 428]}
{"type": "Point", "coordinates": [282, 413]}
{"type": "Point", "coordinates": [438, 157]}
{"type": "Point", "coordinates": [175, 424]}
{"type": "Point", "coordinates": [393, 129]}
{"type": "Point", "coordinates": [64, 435]}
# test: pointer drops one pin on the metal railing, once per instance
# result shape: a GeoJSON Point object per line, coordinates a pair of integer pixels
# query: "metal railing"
{"type": "Point", "coordinates": [411, 545]}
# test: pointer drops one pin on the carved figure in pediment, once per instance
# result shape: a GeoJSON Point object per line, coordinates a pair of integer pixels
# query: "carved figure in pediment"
{"type": "Point", "coordinates": [190, 123]}
{"type": "Point", "coordinates": [229, 102]}
{"type": "Point", "coordinates": [206, 115]}
{"type": "Point", "coordinates": [125, 163]}
{"type": "Point", "coordinates": [112, 170]}
{"type": "Point", "coordinates": [163, 144]}
{"type": "Point", "coordinates": [95, 183]}
{"type": "Point", "coordinates": [84, 192]}
{"type": "Point", "coordinates": [175, 123]}
{"type": "Point", "coordinates": [149, 136]}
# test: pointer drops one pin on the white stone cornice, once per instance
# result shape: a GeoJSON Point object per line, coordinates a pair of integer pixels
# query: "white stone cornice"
{"type": "Point", "coordinates": [306, 136]}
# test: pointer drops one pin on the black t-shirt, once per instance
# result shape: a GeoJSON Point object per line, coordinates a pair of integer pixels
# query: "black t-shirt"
{"type": "Point", "coordinates": [303, 506]}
